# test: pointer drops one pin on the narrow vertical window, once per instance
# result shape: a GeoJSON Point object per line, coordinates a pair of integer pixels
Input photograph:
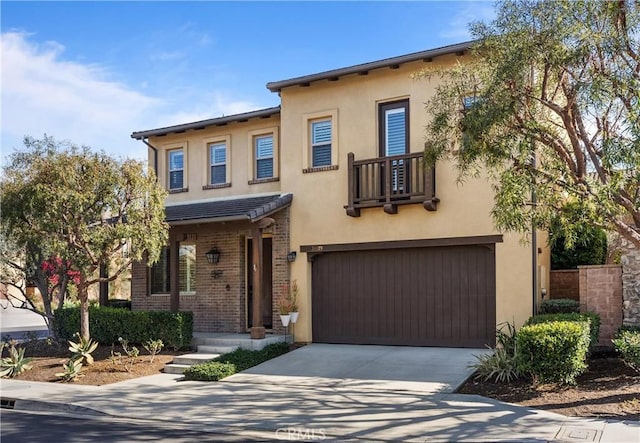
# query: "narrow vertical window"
{"type": "Point", "coordinates": [217, 163]}
{"type": "Point", "coordinates": [264, 156]}
{"type": "Point", "coordinates": [321, 143]}
{"type": "Point", "coordinates": [187, 268]}
{"type": "Point", "coordinates": [159, 273]}
{"type": "Point", "coordinates": [176, 169]}
{"type": "Point", "coordinates": [394, 140]}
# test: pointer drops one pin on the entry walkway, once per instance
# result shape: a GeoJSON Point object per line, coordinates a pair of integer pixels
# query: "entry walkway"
{"type": "Point", "coordinates": [304, 396]}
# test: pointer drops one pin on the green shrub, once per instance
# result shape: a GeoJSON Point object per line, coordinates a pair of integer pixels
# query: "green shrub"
{"type": "Point", "coordinates": [628, 345]}
{"type": "Point", "coordinates": [119, 303]}
{"type": "Point", "coordinates": [553, 351]}
{"type": "Point", "coordinates": [591, 318]}
{"type": "Point", "coordinates": [210, 371]}
{"type": "Point", "coordinates": [106, 325]}
{"type": "Point", "coordinates": [235, 361]}
{"type": "Point", "coordinates": [559, 306]}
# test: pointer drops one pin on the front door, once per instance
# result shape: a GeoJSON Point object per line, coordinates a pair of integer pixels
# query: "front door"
{"type": "Point", "coordinates": [267, 314]}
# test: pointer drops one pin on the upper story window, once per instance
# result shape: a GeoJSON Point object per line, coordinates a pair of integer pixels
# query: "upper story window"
{"type": "Point", "coordinates": [217, 163]}
{"type": "Point", "coordinates": [264, 156]}
{"type": "Point", "coordinates": [320, 143]}
{"type": "Point", "coordinates": [394, 128]}
{"type": "Point", "coordinates": [263, 165]}
{"type": "Point", "coordinates": [176, 169]}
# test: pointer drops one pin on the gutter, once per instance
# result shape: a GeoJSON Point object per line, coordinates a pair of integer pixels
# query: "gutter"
{"type": "Point", "coordinates": [155, 155]}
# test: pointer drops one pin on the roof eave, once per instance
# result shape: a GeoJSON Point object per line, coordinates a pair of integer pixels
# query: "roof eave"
{"type": "Point", "coordinates": [277, 86]}
{"type": "Point", "coordinates": [202, 124]}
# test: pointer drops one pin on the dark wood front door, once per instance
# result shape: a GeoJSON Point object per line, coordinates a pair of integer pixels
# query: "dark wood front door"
{"type": "Point", "coordinates": [438, 296]}
{"type": "Point", "coordinates": [267, 311]}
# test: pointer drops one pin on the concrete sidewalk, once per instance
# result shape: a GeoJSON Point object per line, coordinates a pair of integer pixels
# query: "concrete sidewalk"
{"type": "Point", "coordinates": [291, 411]}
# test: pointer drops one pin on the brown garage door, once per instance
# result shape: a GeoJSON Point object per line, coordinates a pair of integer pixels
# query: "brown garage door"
{"type": "Point", "coordinates": [435, 296]}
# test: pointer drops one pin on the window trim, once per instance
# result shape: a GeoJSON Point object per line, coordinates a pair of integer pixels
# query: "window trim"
{"type": "Point", "coordinates": [382, 124]}
{"type": "Point", "coordinates": [307, 146]}
{"type": "Point", "coordinates": [252, 159]}
{"type": "Point", "coordinates": [206, 144]}
{"type": "Point", "coordinates": [165, 180]}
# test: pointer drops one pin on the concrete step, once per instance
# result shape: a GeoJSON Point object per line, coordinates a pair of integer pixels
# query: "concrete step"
{"type": "Point", "coordinates": [194, 359]}
{"type": "Point", "coordinates": [215, 349]}
{"type": "Point", "coordinates": [235, 341]}
{"type": "Point", "coordinates": [173, 368]}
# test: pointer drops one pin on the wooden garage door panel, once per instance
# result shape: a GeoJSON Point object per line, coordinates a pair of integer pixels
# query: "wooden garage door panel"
{"type": "Point", "coordinates": [421, 296]}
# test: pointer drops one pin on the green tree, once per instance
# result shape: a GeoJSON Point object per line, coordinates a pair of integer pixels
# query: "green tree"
{"type": "Point", "coordinates": [548, 107]}
{"type": "Point", "coordinates": [85, 208]}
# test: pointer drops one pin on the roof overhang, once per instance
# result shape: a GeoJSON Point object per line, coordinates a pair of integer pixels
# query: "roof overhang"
{"type": "Point", "coordinates": [362, 69]}
{"type": "Point", "coordinates": [202, 124]}
{"type": "Point", "coordinates": [252, 209]}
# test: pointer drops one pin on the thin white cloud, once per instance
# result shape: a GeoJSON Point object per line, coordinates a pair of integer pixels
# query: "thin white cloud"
{"type": "Point", "coordinates": [458, 26]}
{"type": "Point", "coordinates": [44, 93]}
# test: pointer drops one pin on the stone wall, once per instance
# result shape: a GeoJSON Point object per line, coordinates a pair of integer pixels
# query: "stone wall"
{"type": "Point", "coordinates": [564, 284]}
{"type": "Point", "coordinates": [219, 304]}
{"type": "Point", "coordinates": [601, 292]}
{"type": "Point", "coordinates": [630, 260]}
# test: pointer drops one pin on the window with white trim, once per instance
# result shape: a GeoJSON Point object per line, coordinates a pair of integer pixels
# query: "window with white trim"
{"type": "Point", "coordinates": [217, 163]}
{"type": "Point", "coordinates": [176, 169]}
{"type": "Point", "coordinates": [263, 146]}
{"type": "Point", "coordinates": [320, 143]}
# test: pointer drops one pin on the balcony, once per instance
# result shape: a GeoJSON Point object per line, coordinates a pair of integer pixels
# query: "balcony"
{"type": "Point", "coordinates": [388, 182]}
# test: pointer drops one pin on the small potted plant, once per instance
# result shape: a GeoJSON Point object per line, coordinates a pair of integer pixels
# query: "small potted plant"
{"type": "Point", "coordinates": [284, 309]}
{"type": "Point", "coordinates": [293, 301]}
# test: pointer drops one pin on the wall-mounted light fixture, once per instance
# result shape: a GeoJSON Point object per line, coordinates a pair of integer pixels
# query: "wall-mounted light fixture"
{"type": "Point", "coordinates": [213, 256]}
{"type": "Point", "coordinates": [291, 256]}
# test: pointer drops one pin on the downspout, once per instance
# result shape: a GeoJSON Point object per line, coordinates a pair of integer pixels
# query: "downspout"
{"type": "Point", "coordinates": [534, 242]}
{"type": "Point", "coordinates": [155, 155]}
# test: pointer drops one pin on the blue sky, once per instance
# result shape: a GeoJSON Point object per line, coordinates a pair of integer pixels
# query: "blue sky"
{"type": "Point", "coordinates": [93, 72]}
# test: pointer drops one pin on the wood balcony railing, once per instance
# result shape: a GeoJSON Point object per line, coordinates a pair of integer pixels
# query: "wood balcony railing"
{"type": "Point", "coordinates": [389, 182]}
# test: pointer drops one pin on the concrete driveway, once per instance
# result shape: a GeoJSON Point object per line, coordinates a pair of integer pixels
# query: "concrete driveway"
{"type": "Point", "coordinates": [424, 370]}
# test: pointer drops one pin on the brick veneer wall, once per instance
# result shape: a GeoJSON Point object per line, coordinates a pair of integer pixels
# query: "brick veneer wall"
{"type": "Point", "coordinates": [219, 305]}
{"type": "Point", "coordinates": [601, 292]}
{"type": "Point", "coordinates": [564, 284]}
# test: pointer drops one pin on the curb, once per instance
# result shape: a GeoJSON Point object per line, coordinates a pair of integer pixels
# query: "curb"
{"type": "Point", "coordinates": [43, 406]}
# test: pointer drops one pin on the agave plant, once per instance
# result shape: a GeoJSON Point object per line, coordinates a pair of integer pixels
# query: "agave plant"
{"type": "Point", "coordinates": [72, 370]}
{"type": "Point", "coordinates": [82, 349]}
{"type": "Point", "coordinates": [15, 363]}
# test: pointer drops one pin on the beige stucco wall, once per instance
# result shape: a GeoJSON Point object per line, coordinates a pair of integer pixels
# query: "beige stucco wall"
{"type": "Point", "coordinates": [238, 135]}
{"type": "Point", "coordinates": [317, 213]}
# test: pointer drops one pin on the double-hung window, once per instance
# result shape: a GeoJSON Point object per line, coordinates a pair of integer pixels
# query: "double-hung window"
{"type": "Point", "coordinates": [217, 163]}
{"type": "Point", "coordinates": [320, 143]}
{"type": "Point", "coordinates": [176, 169]}
{"type": "Point", "coordinates": [264, 156]}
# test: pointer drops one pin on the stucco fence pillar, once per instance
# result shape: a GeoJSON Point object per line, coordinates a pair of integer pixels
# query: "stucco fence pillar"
{"type": "Point", "coordinates": [601, 292]}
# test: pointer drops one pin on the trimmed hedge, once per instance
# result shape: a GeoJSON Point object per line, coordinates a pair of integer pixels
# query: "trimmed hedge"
{"type": "Point", "coordinates": [553, 351]}
{"type": "Point", "coordinates": [591, 318]}
{"type": "Point", "coordinates": [559, 306]}
{"type": "Point", "coordinates": [107, 324]}
{"type": "Point", "coordinates": [235, 361]}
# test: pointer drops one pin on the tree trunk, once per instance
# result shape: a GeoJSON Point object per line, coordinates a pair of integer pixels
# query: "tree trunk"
{"type": "Point", "coordinates": [83, 295]}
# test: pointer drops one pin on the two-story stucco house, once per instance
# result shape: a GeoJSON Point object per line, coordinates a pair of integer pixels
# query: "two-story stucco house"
{"type": "Point", "coordinates": [329, 189]}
